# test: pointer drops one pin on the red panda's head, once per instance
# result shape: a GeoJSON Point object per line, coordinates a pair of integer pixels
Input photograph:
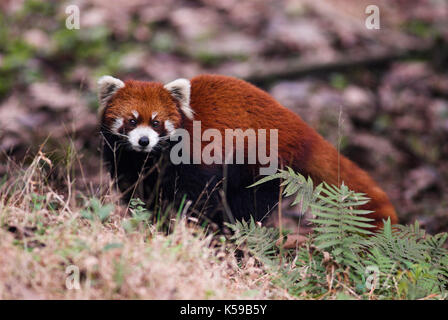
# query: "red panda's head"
{"type": "Point", "coordinates": [143, 113]}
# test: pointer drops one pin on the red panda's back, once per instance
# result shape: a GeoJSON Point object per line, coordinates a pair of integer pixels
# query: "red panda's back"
{"type": "Point", "coordinates": [236, 103]}
{"type": "Point", "coordinates": [222, 102]}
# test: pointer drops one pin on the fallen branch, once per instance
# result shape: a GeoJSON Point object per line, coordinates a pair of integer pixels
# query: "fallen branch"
{"type": "Point", "coordinates": [296, 68]}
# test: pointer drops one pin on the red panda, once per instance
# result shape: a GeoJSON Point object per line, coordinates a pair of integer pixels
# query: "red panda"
{"type": "Point", "coordinates": [139, 118]}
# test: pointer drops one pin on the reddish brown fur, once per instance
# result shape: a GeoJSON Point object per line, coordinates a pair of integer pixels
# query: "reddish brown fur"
{"type": "Point", "coordinates": [223, 102]}
{"type": "Point", "coordinates": [145, 98]}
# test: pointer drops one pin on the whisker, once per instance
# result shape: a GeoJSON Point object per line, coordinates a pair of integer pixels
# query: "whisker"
{"type": "Point", "coordinates": [113, 132]}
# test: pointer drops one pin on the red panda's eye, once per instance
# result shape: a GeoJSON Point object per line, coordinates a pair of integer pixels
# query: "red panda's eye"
{"type": "Point", "coordinates": [133, 122]}
{"type": "Point", "coordinates": [155, 123]}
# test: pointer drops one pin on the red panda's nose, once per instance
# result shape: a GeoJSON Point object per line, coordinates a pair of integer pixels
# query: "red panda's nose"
{"type": "Point", "coordinates": [143, 141]}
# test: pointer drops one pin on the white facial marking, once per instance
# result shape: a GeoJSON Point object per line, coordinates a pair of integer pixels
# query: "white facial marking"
{"type": "Point", "coordinates": [135, 113]}
{"type": "Point", "coordinates": [154, 115]}
{"type": "Point", "coordinates": [169, 126]}
{"type": "Point", "coordinates": [143, 131]}
{"type": "Point", "coordinates": [118, 123]}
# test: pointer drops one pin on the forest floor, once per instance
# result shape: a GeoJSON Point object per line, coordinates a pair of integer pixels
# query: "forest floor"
{"type": "Point", "coordinates": [390, 86]}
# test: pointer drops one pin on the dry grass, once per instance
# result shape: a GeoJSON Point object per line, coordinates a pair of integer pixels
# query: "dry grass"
{"type": "Point", "coordinates": [43, 232]}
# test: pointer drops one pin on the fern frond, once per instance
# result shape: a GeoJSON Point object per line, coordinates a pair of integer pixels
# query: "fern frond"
{"type": "Point", "coordinates": [407, 262]}
{"type": "Point", "coordinates": [294, 183]}
{"type": "Point", "coordinates": [260, 241]}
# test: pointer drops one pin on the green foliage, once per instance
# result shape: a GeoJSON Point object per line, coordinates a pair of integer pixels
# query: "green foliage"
{"type": "Point", "coordinates": [45, 8]}
{"type": "Point", "coordinates": [163, 42]}
{"type": "Point", "coordinates": [338, 81]}
{"type": "Point", "coordinates": [294, 183]}
{"type": "Point", "coordinates": [340, 227]}
{"type": "Point", "coordinates": [140, 219]}
{"type": "Point", "coordinates": [260, 241]}
{"type": "Point", "coordinates": [96, 211]}
{"type": "Point", "coordinates": [342, 258]}
{"type": "Point", "coordinates": [420, 28]}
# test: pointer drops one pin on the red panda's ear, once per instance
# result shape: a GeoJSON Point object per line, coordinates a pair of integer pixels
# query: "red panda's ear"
{"type": "Point", "coordinates": [107, 86]}
{"type": "Point", "coordinates": [180, 90]}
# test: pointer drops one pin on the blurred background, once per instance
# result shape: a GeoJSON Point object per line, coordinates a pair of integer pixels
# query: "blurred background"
{"type": "Point", "coordinates": [316, 57]}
